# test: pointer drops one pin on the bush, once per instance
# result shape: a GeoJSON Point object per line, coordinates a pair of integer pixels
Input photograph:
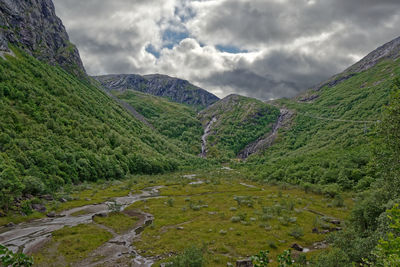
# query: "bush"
{"type": "Point", "coordinates": [297, 232]}
{"type": "Point", "coordinates": [191, 257]}
{"type": "Point", "coordinates": [8, 258]}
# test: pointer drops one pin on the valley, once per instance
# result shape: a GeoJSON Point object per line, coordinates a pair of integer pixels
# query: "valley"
{"type": "Point", "coordinates": [152, 170]}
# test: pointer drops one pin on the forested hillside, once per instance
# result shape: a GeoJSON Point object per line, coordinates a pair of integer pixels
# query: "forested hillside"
{"type": "Point", "coordinates": [173, 120]}
{"type": "Point", "coordinates": [234, 122]}
{"type": "Point", "coordinates": [329, 141]}
{"type": "Point", "coordinates": [56, 129]}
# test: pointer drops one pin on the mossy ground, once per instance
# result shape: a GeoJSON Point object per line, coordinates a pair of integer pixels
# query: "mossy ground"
{"type": "Point", "coordinates": [208, 215]}
{"type": "Point", "coordinates": [71, 244]}
{"type": "Point", "coordinates": [228, 214]}
{"type": "Point", "coordinates": [117, 221]}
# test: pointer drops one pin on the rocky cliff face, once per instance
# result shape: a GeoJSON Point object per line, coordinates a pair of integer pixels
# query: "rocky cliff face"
{"type": "Point", "coordinates": [177, 90]}
{"type": "Point", "coordinates": [388, 51]}
{"type": "Point", "coordinates": [33, 26]}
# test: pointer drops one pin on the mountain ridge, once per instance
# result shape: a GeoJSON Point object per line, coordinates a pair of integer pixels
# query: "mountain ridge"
{"type": "Point", "coordinates": [34, 27]}
{"type": "Point", "coordinates": [177, 90]}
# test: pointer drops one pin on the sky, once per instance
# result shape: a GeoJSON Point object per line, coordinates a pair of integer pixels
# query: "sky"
{"type": "Point", "coordinates": [265, 49]}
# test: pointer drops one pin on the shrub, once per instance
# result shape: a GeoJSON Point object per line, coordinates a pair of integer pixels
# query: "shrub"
{"type": "Point", "coordinates": [9, 258]}
{"type": "Point", "coordinates": [235, 219]}
{"type": "Point", "coordinates": [191, 257]}
{"type": "Point", "coordinates": [297, 232]}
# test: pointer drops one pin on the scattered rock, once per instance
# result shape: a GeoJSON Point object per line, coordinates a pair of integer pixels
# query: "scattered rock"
{"type": "Point", "coordinates": [63, 200]}
{"type": "Point", "coordinates": [28, 196]}
{"type": "Point", "coordinates": [51, 214]}
{"type": "Point", "coordinates": [244, 263]}
{"type": "Point", "coordinates": [315, 231]}
{"type": "Point", "coordinates": [297, 247]}
{"type": "Point", "coordinates": [39, 207]}
{"type": "Point", "coordinates": [11, 224]}
{"type": "Point", "coordinates": [87, 199]}
{"type": "Point", "coordinates": [212, 213]}
{"type": "Point", "coordinates": [180, 228]}
{"type": "Point", "coordinates": [48, 197]}
{"type": "Point", "coordinates": [229, 264]}
{"type": "Point", "coordinates": [336, 222]}
{"type": "Point", "coordinates": [101, 214]}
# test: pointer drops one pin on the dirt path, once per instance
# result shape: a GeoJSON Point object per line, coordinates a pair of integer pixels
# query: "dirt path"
{"type": "Point", "coordinates": [29, 237]}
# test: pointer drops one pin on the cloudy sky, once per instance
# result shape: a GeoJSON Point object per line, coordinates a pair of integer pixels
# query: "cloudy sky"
{"type": "Point", "coordinates": [260, 48]}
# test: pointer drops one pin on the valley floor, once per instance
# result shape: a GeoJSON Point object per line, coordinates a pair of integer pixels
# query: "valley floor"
{"type": "Point", "coordinates": [220, 211]}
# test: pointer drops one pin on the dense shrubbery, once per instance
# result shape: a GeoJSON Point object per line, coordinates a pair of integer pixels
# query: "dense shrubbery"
{"type": "Point", "coordinates": [366, 238]}
{"type": "Point", "coordinates": [191, 257]}
{"type": "Point", "coordinates": [55, 130]}
{"type": "Point", "coordinates": [175, 121]}
{"type": "Point", "coordinates": [240, 121]}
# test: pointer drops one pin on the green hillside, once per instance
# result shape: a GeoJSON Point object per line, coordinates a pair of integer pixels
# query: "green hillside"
{"type": "Point", "coordinates": [56, 129]}
{"type": "Point", "coordinates": [239, 121]}
{"type": "Point", "coordinates": [173, 120]}
{"type": "Point", "coordinates": [329, 142]}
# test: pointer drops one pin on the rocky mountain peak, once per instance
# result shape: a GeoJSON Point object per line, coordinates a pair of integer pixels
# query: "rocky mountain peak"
{"type": "Point", "coordinates": [388, 51]}
{"type": "Point", "coordinates": [33, 26]}
{"type": "Point", "coordinates": [175, 89]}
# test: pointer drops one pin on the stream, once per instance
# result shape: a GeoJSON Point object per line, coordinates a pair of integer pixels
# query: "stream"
{"type": "Point", "coordinates": [207, 131]}
{"type": "Point", "coordinates": [28, 237]}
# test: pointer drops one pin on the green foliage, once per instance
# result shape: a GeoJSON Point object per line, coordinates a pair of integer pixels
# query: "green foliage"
{"type": "Point", "coordinates": [191, 257]}
{"type": "Point", "coordinates": [387, 252]}
{"type": "Point", "coordinates": [261, 259]}
{"type": "Point", "coordinates": [113, 206]}
{"type": "Point", "coordinates": [56, 129]}
{"type": "Point", "coordinates": [318, 149]}
{"type": "Point", "coordinates": [285, 259]}
{"type": "Point", "coordinates": [9, 258]}
{"type": "Point", "coordinates": [297, 232]}
{"type": "Point", "coordinates": [175, 121]}
{"type": "Point", "coordinates": [240, 121]}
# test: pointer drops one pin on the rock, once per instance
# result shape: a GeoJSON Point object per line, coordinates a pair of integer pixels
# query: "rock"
{"type": "Point", "coordinates": [180, 228]}
{"type": "Point", "coordinates": [244, 263]}
{"type": "Point", "coordinates": [315, 230]}
{"type": "Point", "coordinates": [101, 214]}
{"type": "Point", "coordinates": [212, 213]}
{"type": "Point", "coordinates": [297, 247]}
{"type": "Point", "coordinates": [229, 264]}
{"type": "Point", "coordinates": [177, 90]}
{"type": "Point", "coordinates": [51, 214]}
{"type": "Point", "coordinates": [39, 207]}
{"type": "Point", "coordinates": [33, 26]}
{"type": "Point", "coordinates": [336, 222]}
{"type": "Point", "coordinates": [47, 197]}
{"type": "Point", "coordinates": [63, 200]}
{"type": "Point", "coordinates": [11, 224]}
{"type": "Point", "coordinates": [28, 196]}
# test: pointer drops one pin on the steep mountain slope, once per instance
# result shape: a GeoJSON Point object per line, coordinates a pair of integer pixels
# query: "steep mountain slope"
{"type": "Point", "coordinates": [56, 130]}
{"type": "Point", "coordinates": [177, 90]}
{"type": "Point", "coordinates": [56, 127]}
{"type": "Point", "coordinates": [329, 141]}
{"type": "Point", "coordinates": [33, 26]}
{"type": "Point", "coordinates": [176, 121]}
{"type": "Point", "coordinates": [234, 122]}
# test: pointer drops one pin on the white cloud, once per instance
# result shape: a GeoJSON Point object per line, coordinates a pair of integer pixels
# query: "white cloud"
{"type": "Point", "coordinates": [270, 48]}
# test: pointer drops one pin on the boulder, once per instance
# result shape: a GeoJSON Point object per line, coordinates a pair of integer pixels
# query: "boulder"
{"type": "Point", "coordinates": [297, 247]}
{"type": "Point", "coordinates": [39, 207]}
{"type": "Point", "coordinates": [51, 214]}
{"type": "Point", "coordinates": [48, 197]}
{"type": "Point", "coordinates": [244, 263]}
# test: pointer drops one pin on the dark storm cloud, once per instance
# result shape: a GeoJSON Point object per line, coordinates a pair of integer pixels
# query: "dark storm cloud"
{"type": "Point", "coordinates": [277, 48]}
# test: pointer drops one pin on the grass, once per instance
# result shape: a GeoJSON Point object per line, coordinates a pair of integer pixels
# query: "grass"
{"type": "Point", "coordinates": [71, 244]}
{"type": "Point", "coordinates": [181, 225]}
{"type": "Point", "coordinates": [118, 222]}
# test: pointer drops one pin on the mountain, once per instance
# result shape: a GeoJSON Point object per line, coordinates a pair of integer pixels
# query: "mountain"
{"type": "Point", "coordinates": [34, 27]}
{"type": "Point", "coordinates": [177, 122]}
{"type": "Point", "coordinates": [175, 89]}
{"type": "Point", "coordinates": [57, 128]}
{"type": "Point", "coordinates": [329, 138]}
{"type": "Point", "coordinates": [388, 51]}
{"type": "Point", "coordinates": [234, 122]}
